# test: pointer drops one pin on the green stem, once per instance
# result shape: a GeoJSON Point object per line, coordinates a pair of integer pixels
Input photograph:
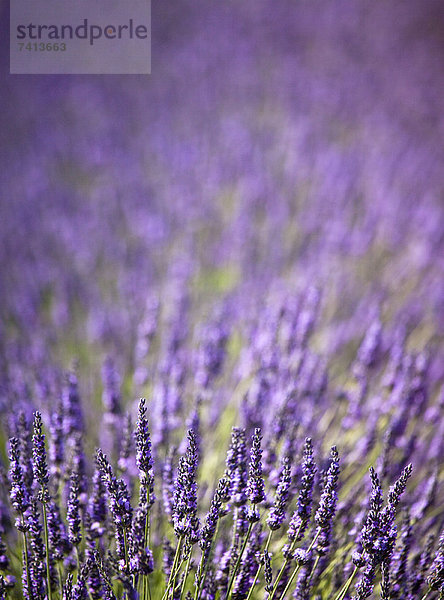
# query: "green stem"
{"type": "Point", "coordinates": [239, 558]}
{"type": "Point", "coordinates": [290, 581]}
{"type": "Point", "coordinates": [425, 595]}
{"type": "Point", "coordinates": [148, 586]}
{"type": "Point", "coordinates": [346, 585]}
{"type": "Point", "coordinates": [78, 560]}
{"type": "Point", "coordinates": [125, 546]}
{"type": "Point", "coordinates": [48, 576]}
{"type": "Point", "coordinates": [256, 577]}
{"type": "Point", "coordinates": [187, 570]}
{"type": "Point", "coordinates": [199, 588]}
{"type": "Point", "coordinates": [178, 570]}
{"type": "Point", "coordinates": [173, 568]}
{"type": "Point", "coordinates": [286, 561]}
{"type": "Point", "coordinates": [59, 571]}
{"type": "Point", "coordinates": [25, 545]}
{"type": "Point", "coordinates": [146, 581]}
{"type": "Point", "coordinates": [259, 569]}
{"type": "Point", "coordinates": [313, 570]}
{"type": "Point", "coordinates": [234, 541]}
{"type": "Point", "coordinates": [295, 572]}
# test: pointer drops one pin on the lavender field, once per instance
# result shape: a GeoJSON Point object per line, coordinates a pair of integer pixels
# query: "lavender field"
{"type": "Point", "coordinates": [222, 311]}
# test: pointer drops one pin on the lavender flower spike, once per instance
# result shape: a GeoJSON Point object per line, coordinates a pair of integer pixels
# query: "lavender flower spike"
{"type": "Point", "coordinates": [185, 518]}
{"type": "Point", "coordinates": [143, 441]}
{"type": "Point", "coordinates": [19, 493]}
{"type": "Point", "coordinates": [73, 511]}
{"type": "Point", "coordinates": [236, 469]}
{"type": "Point", "coordinates": [327, 504]}
{"type": "Point", "coordinates": [120, 505]}
{"type": "Point", "coordinates": [277, 511]}
{"type": "Point", "coordinates": [40, 465]}
{"type": "Point", "coordinates": [255, 485]}
{"type": "Point", "coordinates": [301, 516]}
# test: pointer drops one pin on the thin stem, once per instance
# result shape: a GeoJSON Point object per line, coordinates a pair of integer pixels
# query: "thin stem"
{"type": "Point", "coordinates": [206, 557]}
{"type": "Point", "coordinates": [125, 546]}
{"type": "Point", "coordinates": [256, 577]}
{"type": "Point", "coordinates": [178, 569]}
{"type": "Point", "coordinates": [59, 571]}
{"type": "Point", "coordinates": [25, 545]}
{"type": "Point", "coordinates": [425, 595]}
{"type": "Point", "coordinates": [293, 575]}
{"type": "Point", "coordinates": [290, 581]}
{"type": "Point", "coordinates": [259, 569]}
{"type": "Point", "coordinates": [316, 562]}
{"type": "Point", "coordinates": [78, 560]}
{"type": "Point", "coordinates": [239, 558]}
{"type": "Point", "coordinates": [148, 586]}
{"type": "Point", "coordinates": [48, 576]}
{"type": "Point", "coordinates": [173, 568]}
{"type": "Point", "coordinates": [346, 585]}
{"type": "Point", "coordinates": [145, 578]}
{"type": "Point", "coordinates": [286, 561]}
{"type": "Point", "coordinates": [187, 570]}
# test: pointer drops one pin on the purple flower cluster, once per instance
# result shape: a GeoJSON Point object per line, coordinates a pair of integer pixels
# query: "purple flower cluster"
{"type": "Point", "coordinates": [185, 519]}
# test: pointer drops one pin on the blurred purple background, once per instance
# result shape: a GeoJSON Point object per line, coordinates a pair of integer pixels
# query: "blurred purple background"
{"type": "Point", "coordinates": [274, 141]}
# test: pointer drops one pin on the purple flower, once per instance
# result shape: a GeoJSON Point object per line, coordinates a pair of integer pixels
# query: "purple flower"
{"type": "Point", "coordinates": [301, 515]}
{"type": "Point", "coordinates": [371, 529]}
{"type": "Point", "coordinates": [56, 442]}
{"type": "Point", "coordinates": [57, 537]}
{"type": "Point", "coordinates": [168, 483]}
{"type": "Point", "coordinates": [72, 408]}
{"type": "Point", "coordinates": [97, 508]}
{"type": "Point", "coordinates": [167, 558]}
{"type": "Point", "coordinates": [141, 557]}
{"type": "Point", "coordinates": [37, 565]}
{"type": "Point", "coordinates": [327, 504]}
{"type": "Point", "coordinates": [436, 578]}
{"type": "Point", "coordinates": [277, 511]}
{"type": "Point", "coordinates": [186, 522]}
{"type": "Point", "coordinates": [369, 349]}
{"type": "Point", "coordinates": [125, 455]}
{"type": "Point", "coordinates": [4, 560]}
{"type": "Point", "coordinates": [25, 446]}
{"type": "Point", "coordinates": [212, 352]}
{"type": "Point", "coordinates": [111, 388]}
{"type": "Point", "coordinates": [268, 573]}
{"type": "Point", "coordinates": [255, 483]}
{"type": "Point", "coordinates": [119, 500]}
{"type": "Point", "coordinates": [18, 493]}
{"type": "Point", "coordinates": [215, 512]}
{"type": "Point", "coordinates": [304, 582]}
{"type": "Point", "coordinates": [422, 566]}
{"type": "Point", "coordinates": [79, 591]}
{"type": "Point", "coordinates": [209, 529]}
{"type": "Point", "coordinates": [401, 580]}
{"type": "Point", "coordinates": [73, 511]}
{"type": "Point", "coordinates": [378, 534]}
{"type": "Point", "coordinates": [237, 467]}
{"type": "Point", "coordinates": [68, 587]}
{"type": "Point", "coordinates": [40, 465]}
{"type": "Point", "coordinates": [143, 441]}
{"type": "Point", "coordinates": [249, 565]}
